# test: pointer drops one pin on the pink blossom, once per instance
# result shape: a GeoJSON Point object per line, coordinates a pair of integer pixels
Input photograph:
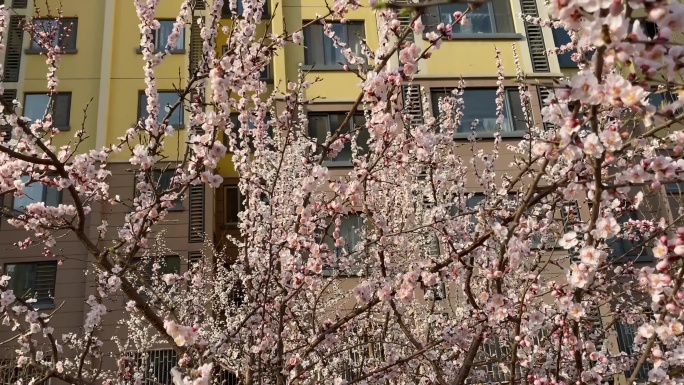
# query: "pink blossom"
{"type": "Point", "coordinates": [298, 37]}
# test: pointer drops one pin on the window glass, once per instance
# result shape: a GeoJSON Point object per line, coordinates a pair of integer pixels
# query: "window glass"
{"type": "Point", "coordinates": [480, 104]}
{"type": "Point", "coordinates": [660, 98]}
{"type": "Point", "coordinates": [351, 227]}
{"type": "Point", "coordinates": [33, 280]}
{"type": "Point", "coordinates": [62, 33]}
{"type": "Point", "coordinates": [163, 181]}
{"type": "Point", "coordinates": [236, 126]}
{"type": "Point", "coordinates": [166, 100]}
{"type": "Point", "coordinates": [171, 265]}
{"type": "Point", "coordinates": [36, 192]}
{"type": "Point", "coordinates": [234, 204]}
{"type": "Point", "coordinates": [319, 49]}
{"type": "Point", "coordinates": [627, 246]}
{"type": "Point", "coordinates": [674, 197]}
{"type": "Point", "coordinates": [561, 38]}
{"type": "Point", "coordinates": [320, 124]}
{"type": "Point", "coordinates": [35, 106]}
{"type": "Point", "coordinates": [161, 37]}
{"type": "Point", "coordinates": [493, 17]}
{"type": "Point", "coordinates": [225, 11]}
{"type": "Point", "coordinates": [156, 365]}
{"type": "Point", "coordinates": [626, 334]}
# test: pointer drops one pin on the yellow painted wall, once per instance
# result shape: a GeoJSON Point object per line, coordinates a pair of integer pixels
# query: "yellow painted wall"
{"type": "Point", "coordinates": [124, 114]}
{"type": "Point", "coordinates": [81, 93]}
{"type": "Point", "coordinates": [226, 168]}
{"type": "Point", "coordinates": [127, 77]}
{"type": "Point", "coordinates": [86, 63]}
{"type": "Point", "coordinates": [344, 85]}
{"type": "Point", "coordinates": [476, 57]}
{"type": "Point", "coordinates": [79, 73]}
{"type": "Point", "coordinates": [126, 62]}
{"type": "Point", "coordinates": [468, 58]}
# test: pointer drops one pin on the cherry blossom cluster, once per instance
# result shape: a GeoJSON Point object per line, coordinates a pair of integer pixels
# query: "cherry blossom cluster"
{"type": "Point", "coordinates": [433, 284]}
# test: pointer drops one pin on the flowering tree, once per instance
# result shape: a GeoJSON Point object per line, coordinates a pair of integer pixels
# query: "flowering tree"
{"type": "Point", "coordinates": [447, 287]}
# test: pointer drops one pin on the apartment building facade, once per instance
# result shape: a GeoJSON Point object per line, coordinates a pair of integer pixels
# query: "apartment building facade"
{"type": "Point", "coordinates": [101, 89]}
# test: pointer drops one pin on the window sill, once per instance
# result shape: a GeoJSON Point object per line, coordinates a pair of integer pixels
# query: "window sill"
{"type": "Point", "coordinates": [177, 208]}
{"type": "Point", "coordinates": [551, 246]}
{"type": "Point", "coordinates": [141, 124]}
{"type": "Point", "coordinates": [482, 36]}
{"type": "Point", "coordinates": [641, 259]}
{"type": "Point", "coordinates": [66, 51]}
{"type": "Point", "coordinates": [172, 52]}
{"type": "Point", "coordinates": [489, 134]}
{"type": "Point", "coordinates": [328, 67]}
{"type": "Point", "coordinates": [64, 128]}
{"type": "Point", "coordinates": [327, 272]}
{"type": "Point", "coordinates": [337, 163]}
{"type": "Point", "coordinates": [264, 16]}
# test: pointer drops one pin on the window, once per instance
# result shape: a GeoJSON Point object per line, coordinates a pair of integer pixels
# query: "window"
{"type": "Point", "coordinates": [350, 228]}
{"type": "Point", "coordinates": [266, 75]}
{"type": "Point", "coordinates": [660, 98]}
{"type": "Point", "coordinates": [33, 280]}
{"type": "Point", "coordinates": [474, 202]}
{"type": "Point", "coordinates": [432, 252]}
{"type": "Point", "coordinates": [234, 204]}
{"type": "Point", "coordinates": [480, 104]}
{"type": "Point", "coordinates": [438, 292]}
{"type": "Point", "coordinates": [155, 365]}
{"type": "Point", "coordinates": [36, 192]}
{"type": "Point", "coordinates": [225, 377]}
{"type": "Point", "coordinates": [625, 337]}
{"type": "Point", "coordinates": [170, 265]}
{"type": "Point", "coordinates": [62, 33]}
{"type": "Point", "coordinates": [490, 18]}
{"type": "Point", "coordinates": [494, 352]}
{"type": "Point", "coordinates": [319, 50]}
{"type": "Point", "coordinates": [36, 106]}
{"type": "Point", "coordinates": [11, 374]}
{"type": "Point", "coordinates": [6, 129]}
{"type": "Point", "coordinates": [225, 11]}
{"type": "Point", "coordinates": [535, 214]}
{"type": "Point", "coordinates": [560, 38]}
{"type": "Point", "coordinates": [161, 37]}
{"type": "Point", "coordinates": [512, 202]}
{"type": "Point", "coordinates": [320, 124]}
{"type": "Point", "coordinates": [251, 125]}
{"type": "Point", "coordinates": [570, 216]}
{"type": "Point", "coordinates": [364, 350]}
{"type": "Point", "coordinates": [226, 310]}
{"type": "Point", "coordinates": [166, 100]}
{"type": "Point", "coordinates": [673, 192]}
{"type": "Point", "coordinates": [162, 181]}
{"type": "Point", "coordinates": [623, 248]}
{"type": "Point", "coordinates": [144, 275]}
{"type": "Point", "coordinates": [649, 28]}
